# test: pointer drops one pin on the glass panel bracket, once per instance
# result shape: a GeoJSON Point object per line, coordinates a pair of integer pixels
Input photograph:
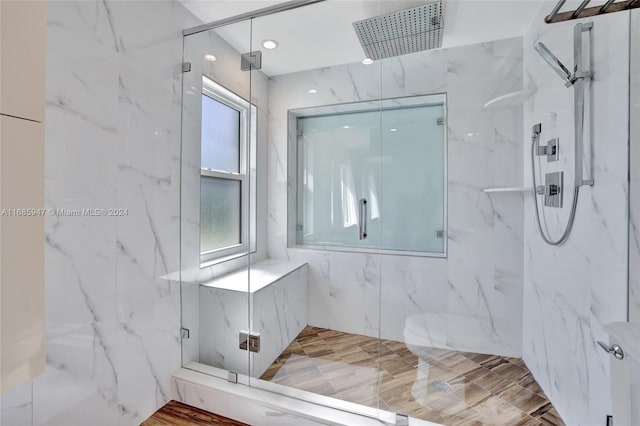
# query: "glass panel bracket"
{"type": "Point", "coordinates": [251, 61]}
{"type": "Point", "coordinates": [250, 341]}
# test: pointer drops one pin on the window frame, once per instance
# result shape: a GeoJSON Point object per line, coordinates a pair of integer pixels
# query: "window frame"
{"type": "Point", "coordinates": [247, 147]}
{"type": "Point", "coordinates": [294, 174]}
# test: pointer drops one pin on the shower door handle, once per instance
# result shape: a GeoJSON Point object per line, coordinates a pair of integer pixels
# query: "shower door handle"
{"type": "Point", "coordinates": [614, 350]}
{"type": "Point", "coordinates": [362, 219]}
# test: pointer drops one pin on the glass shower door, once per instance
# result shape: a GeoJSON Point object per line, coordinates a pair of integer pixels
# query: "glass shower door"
{"type": "Point", "coordinates": [218, 139]}
{"type": "Point", "coordinates": [318, 318]}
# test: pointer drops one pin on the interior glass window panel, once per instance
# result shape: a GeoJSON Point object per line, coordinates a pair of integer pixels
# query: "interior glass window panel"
{"type": "Point", "coordinates": [372, 154]}
{"type": "Point", "coordinates": [413, 176]}
{"type": "Point", "coordinates": [338, 161]}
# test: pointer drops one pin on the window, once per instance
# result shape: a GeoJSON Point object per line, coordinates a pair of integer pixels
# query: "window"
{"type": "Point", "coordinates": [227, 174]}
{"type": "Point", "coordinates": [370, 176]}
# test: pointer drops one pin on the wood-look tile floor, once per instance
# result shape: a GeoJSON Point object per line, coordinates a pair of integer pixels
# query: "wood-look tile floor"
{"type": "Point", "coordinates": [176, 413]}
{"type": "Point", "coordinates": [484, 389]}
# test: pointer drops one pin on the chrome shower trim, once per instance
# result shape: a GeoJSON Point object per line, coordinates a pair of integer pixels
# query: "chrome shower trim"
{"type": "Point", "coordinates": [606, 6]}
{"type": "Point", "coordinates": [580, 75]}
{"type": "Point", "coordinates": [579, 80]}
{"type": "Point", "coordinates": [579, 71]}
{"type": "Point", "coordinates": [270, 10]}
{"type": "Point", "coordinates": [402, 32]}
{"type": "Point", "coordinates": [555, 11]}
{"type": "Point", "coordinates": [580, 8]}
{"type": "Point", "coordinates": [611, 6]}
{"type": "Point", "coordinates": [555, 63]}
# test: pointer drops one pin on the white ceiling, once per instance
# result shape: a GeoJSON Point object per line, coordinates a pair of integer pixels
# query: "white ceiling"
{"type": "Point", "coordinates": [322, 34]}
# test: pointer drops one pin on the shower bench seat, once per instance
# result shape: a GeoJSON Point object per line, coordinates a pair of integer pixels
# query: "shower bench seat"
{"type": "Point", "coordinates": [278, 299]}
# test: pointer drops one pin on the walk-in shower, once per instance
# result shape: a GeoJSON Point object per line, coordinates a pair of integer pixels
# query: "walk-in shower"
{"type": "Point", "coordinates": [554, 187]}
{"type": "Point", "coordinates": [362, 262]}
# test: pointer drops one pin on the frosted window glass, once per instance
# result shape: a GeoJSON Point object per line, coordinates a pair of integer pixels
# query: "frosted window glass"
{"type": "Point", "coordinates": [219, 213]}
{"type": "Point", "coordinates": [393, 157]}
{"type": "Point", "coordinates": [412, 185]}
{"type": "Point", "coordinates": [220, 136]}
{"type": "Point", "coordinates": [340, 163]}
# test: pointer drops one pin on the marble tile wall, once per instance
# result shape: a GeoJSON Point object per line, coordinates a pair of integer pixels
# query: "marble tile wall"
{"type": "Point", "coordinates": [634, 163]}
{"type": "Point", "coordinates": [572, 290]}
{"type": "Point", "coordinates": [279, 315]}
{"type": "Point", "coordinates": [481, 280]}
{"type": "Point", "coordinates": [112, 142]}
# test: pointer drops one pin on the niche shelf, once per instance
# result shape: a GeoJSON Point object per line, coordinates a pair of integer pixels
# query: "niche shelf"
{"type": "Point", "coordinates": [509, 100]}
{"type": "Point", "coordinates": [512, 189]}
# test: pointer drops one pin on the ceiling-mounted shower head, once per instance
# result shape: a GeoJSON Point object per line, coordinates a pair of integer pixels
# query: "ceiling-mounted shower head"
{"type": "Point", "coordinates": [406, 31]}
{"type": "Point", "coordinates": [555, 63]}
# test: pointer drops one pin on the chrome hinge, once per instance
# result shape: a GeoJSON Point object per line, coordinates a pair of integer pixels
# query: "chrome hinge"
{"type": "Point", "coordinates": [184, 333]}
{"type": "Point", "coordinates": [186, 66]}
{"type": "Point", "coordinates": [251, 61]}
{"type": "Point", "coordinates": [250, 341]}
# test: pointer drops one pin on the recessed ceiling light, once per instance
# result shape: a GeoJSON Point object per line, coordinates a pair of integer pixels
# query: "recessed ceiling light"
{"type": "Point", "coordinates": [346, 127]}
{"type": "Point", "coordinates": [312, 91]}
{"type": "Point", "coordinates": [269, 44]}
{"type": "Point", "coordinates": [393, 130]}
{"type": "Point", "coordinates": [210, 58]}
{"type": "Point", "coordinates": [367, 61]}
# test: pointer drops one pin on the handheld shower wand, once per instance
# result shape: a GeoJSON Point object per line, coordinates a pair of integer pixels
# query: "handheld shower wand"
{"type": "Point", "coordinates": [556, 64]}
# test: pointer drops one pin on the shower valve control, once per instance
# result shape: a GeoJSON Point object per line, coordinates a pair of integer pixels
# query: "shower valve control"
{"type": "Point", "coordinates": [553, 183]}
{"type": "Point", "coordinates": [551, 150]}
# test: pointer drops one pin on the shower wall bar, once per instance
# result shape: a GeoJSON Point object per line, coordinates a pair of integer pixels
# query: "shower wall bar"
{"type": "Point", "coordinates": [585, 12]}
{"type": "Point", "coordinates": [280, 7]}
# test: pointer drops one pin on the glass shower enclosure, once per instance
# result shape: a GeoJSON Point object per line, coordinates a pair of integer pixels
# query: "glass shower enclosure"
{"type": "Point", "coordinates": [305, 182]}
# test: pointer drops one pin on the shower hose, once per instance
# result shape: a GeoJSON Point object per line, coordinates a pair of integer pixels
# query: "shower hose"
{"type": "Point", "coordinates": [574, 204]}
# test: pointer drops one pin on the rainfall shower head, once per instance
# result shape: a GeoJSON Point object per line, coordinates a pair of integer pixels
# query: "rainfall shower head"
{"type": "Point", "coordinates": [555, 63]}
{"type": "Point", "coordinates": [406, 31]}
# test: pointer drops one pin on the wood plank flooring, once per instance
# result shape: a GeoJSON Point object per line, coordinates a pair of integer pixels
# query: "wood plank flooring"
{"type": "Point", "coordinates": [478, 389]}
{"type": "Point", "coordinates": [175, 413]}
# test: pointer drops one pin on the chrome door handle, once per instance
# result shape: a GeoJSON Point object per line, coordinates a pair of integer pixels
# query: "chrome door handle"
{"type": "Point", "coordinates": [614, 350]}
{"type": "Point", "coordinates": [362, 222]}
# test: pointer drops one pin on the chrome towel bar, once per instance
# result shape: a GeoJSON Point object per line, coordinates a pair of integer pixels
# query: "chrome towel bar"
{"type": "Point", "coordinates": [586, 12]}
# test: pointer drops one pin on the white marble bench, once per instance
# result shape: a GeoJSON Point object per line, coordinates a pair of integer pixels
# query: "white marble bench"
{"type": "Point", "coordinates": [278, 296]}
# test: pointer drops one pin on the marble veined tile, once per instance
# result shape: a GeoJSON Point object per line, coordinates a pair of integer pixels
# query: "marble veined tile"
{"type": "Point", "coordinates": [358, 292]}
{"type": "Point", "coordinates": [571, 291]}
